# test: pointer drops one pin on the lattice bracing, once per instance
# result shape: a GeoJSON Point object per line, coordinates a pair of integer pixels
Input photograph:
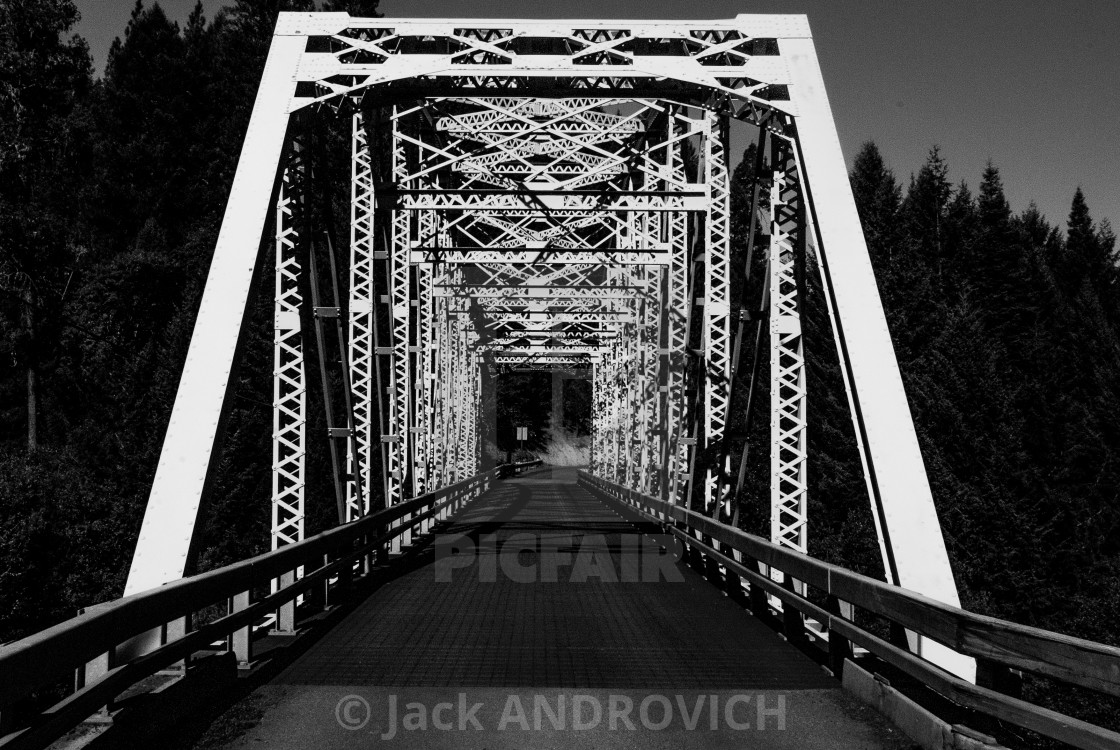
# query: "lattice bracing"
{"type": "Point", "coordinates": [400, 299]}
{"type": "Point", "coordinates": [717, 304]}
{"type": "Point", "coordinates": [361, 334]}
{"type": "Point", "coordinates": [289, 385]}
{"type": "Point", "coordinates": [789, 451]}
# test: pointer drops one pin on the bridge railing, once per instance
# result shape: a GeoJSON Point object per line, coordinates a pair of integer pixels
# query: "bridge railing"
{"type": "Point", "coordinates": [509, 470]}
{"type": "Point", "coordinates": [748, 558]}
{"type": "Point", "coordinates": [109, 633]}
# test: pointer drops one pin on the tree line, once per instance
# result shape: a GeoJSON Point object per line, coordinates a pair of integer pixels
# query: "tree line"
{"type": "Point", "coordinates": [111, 193]}
{"type": "Point", "coordinates": [1007, 333]}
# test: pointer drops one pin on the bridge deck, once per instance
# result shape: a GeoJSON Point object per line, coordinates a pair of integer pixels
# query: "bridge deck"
{"type": "Point", "coordinates": [487, 637]}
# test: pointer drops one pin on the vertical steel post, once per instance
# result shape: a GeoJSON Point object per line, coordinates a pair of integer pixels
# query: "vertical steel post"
{"type": "Point", "coordinates": [788, 446]}
{"type": "Point", "coordinates": [361, 318]}
{"type": "Point", "coordinates": [289, 385]}
{"type": "Point", "coordinates": [717, 303]}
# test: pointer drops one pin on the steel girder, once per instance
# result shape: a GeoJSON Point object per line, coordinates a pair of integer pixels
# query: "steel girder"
{"type": "Point", "coordinates": [547, 154]}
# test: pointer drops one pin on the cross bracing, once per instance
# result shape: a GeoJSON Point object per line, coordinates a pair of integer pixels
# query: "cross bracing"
{"type": "Point", "coordinates": [541, 194]}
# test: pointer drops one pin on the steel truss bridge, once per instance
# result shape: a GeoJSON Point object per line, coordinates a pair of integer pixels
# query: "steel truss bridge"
{"type": "Point", "coordinates": [535, 195]}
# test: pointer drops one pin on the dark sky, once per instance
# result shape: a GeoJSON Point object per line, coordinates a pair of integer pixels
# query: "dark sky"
{"type": "Point", "coordinates": [1032, 85]}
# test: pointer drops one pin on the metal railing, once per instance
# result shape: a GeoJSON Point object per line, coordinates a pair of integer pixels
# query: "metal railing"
{"type": "Point", "coordinates": [749, 559]}
{"type": "Point", "coordinates": [162, 615]}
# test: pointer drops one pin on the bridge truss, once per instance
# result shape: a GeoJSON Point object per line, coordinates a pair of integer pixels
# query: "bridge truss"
{"type": "Point", "coordinates": [537, 195]}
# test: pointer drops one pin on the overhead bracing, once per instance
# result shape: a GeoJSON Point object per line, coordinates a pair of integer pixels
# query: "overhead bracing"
{"type": "Point", "coordinates": [535, 195]}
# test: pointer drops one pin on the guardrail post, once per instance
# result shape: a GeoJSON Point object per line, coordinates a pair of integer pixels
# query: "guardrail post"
{"type": "Point", "coordinates": [793, 622]}
{"type": "Point", "coordinates": [381, 551]}
{"type": "Point", "coordinates": [839, 648]}
{"type": "Point", "coordinates": [345, 571]}
{"type": "Point", "coordinates": [408, 537]}
{"type": "Point", "coordinates": [325, 586]}
{"type": "Point", "coordinates": [996, 676]}
{"type": "Point", "coordinates": [286, 615]}
{"type": "Point", "coordinates": [695, 557]}
{"type": "Point", "coordinates": [173, 631]}
{"type": "Point", "coordinates": [760, 603]}
{"type": "Point", "coordinates": [90, 672]}
{"type": "Point", "coordinates": [316, 596]}
{"type": "Point", "coordinates": [240, 641]}
{"type": "Point", "coordinates": [93, 670]}
{"type": "Point", "coordinates": [898, 636]}
{"type": "Point", "coordinates": [402, 539]}
{"type": "Point", "coordinates": [732, 583]}
{"type": "Point", "coordinates": [430, 521]}
{"type": "Point", "coordinates": [711, 569]}
{"type": "Point", "coordinates": [369, 559]}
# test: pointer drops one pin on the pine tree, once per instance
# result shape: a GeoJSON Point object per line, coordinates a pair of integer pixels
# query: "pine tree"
{"type": "Point", "coordinates": [878, 200]}
{"type": "Point", "coordinates": [1082, 256]}
{"type": "Point", "coordinates": [255, 20]}
{"type": "Point", "coordinates": [1000, 269]}
{"type": "Point", "coordinates": [917, 297]}
{"type": "Point", "coordinates": [145, 114]}
{"type": "Point", "coordinates": [926, 204]}
{"type": "Point", "coordinates": [960, 234]}
{"type": "Point", "coordinates": [356, 8]}
{"type": "Point", "coordinates": [42, 76]}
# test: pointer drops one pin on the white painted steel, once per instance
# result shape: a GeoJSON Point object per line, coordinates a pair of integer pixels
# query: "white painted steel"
{"type": "Point", "coordinates": [789, 488]}
{"type": "Point", "coordinates": [164, 547]}
{"type": "Point", "coordinates": [360, 335]}
{"type": "Point", "coordinates": [289, 379]}
{"type": "Point", "coordinates": [911, 539]}
{"type": "Point", "coordinates": [494, 188]}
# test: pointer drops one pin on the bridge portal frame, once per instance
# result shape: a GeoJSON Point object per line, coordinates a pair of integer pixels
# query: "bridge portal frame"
{"type": "Point", "coordinates": [759, 69]}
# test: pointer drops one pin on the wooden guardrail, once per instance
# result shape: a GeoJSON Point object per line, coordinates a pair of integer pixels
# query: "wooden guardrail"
{"type": "Point", "coordinates": [509, 470]}
{"type": "Point", "coordinates": [53, 655]}
{"type": "Point", "coordinates": [1070, 660]}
